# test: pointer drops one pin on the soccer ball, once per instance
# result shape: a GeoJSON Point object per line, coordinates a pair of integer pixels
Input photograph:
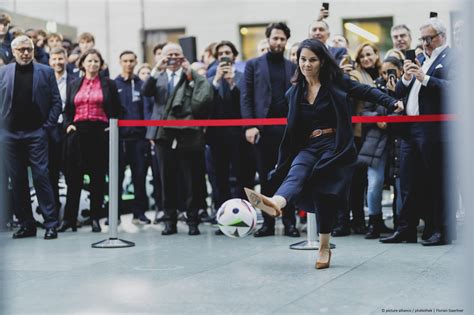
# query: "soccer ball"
{"type": "Point", "coordinates": [237, 218]}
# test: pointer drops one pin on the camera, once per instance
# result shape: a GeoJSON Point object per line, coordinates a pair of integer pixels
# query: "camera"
{"type": "Point", "coordinates": [392, 73]}
{"type": "Point", "coordinates": [433, 14]}
{"type": "Point", "coordinates": [173, 61]}
{"type": "Point", "coordinates": [326, 5]}
{"type": "Point", "coordinates": [411, 55]}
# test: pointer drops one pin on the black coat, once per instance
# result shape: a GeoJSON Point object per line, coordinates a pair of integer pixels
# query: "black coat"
{"type": "Point", "coordinates": [332, 174]}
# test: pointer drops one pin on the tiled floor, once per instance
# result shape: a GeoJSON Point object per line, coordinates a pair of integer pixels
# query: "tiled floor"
{"type": "Point", "coordinates": [210, 274]}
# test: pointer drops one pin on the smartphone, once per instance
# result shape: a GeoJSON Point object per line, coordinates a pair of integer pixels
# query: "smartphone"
{"type": "Point", "coordinates": [410, 55]}
{"type": "Point", "coordinates": [392, 73]}
{"type": "Point", "coordinates": [346, 60]}
{"type": "Point", "coordinates": [326, 5]}
{"type": "Point", "coordinates": [433, 14]}
{"type": "Point", "coordinates": [173, 61]}
{"type": "Point", "coordinates": [227, 60]}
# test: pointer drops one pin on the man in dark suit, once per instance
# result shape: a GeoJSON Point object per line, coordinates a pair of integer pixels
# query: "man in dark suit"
{"type": "Point", "coordinates": [227, 144]}
{"type": "Point", "coordinates": [58, 61]}
{"type": "Point", "coordinates": [320, 30]}
{"type": "Point", "coordinates": [30, 103]}
{"type": "Point", "coordinates": [422, 162]}
{"type": "Point", "coordinates": [263, 96]}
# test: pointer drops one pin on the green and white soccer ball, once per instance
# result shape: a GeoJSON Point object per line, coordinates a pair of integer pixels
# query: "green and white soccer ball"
{"type": "Point", "coordinates": [237, 218]}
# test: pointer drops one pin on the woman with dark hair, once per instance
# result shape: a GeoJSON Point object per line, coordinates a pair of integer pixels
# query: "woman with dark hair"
{"type": "Point", "coordinates": [317, 153]}
{"type": "Point", "coordinates": [90, 102]}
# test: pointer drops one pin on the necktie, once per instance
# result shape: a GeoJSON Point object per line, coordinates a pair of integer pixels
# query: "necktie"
{"type": "Point", "coordinates": [171, 84]}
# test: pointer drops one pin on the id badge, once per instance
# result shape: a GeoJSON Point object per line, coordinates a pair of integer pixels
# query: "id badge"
{"type": "Point", "coordinates": [136, 96]}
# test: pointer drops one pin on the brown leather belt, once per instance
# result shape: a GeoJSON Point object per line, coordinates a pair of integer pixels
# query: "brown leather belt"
{"type": "Point", "coordinates": [319, 132]}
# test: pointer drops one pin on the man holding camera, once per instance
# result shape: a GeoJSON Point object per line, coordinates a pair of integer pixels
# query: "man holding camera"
{"type": "Point", "coordinates": [180, 94]}
{"type": "Point", "coordinates": [424, 86]}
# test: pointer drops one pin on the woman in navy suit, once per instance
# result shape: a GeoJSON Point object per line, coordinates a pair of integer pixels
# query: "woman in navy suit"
{"type": "Point", "coordinates": [317, 154]}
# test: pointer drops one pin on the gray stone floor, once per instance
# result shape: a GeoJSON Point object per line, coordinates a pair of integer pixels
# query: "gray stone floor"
{"type": "Point", "coordinates": [210, 274]}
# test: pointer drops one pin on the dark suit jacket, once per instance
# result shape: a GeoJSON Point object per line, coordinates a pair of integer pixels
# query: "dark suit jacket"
{"type": "Point", "coordinates": [432, 99]}
{"type": "Point", "coordinates": [256, 89]}
{"type": "Point", "coordinates": [158, 90]}
{"type": "Point", "coordinates": [112, 106]}
{"type": "Point", "coordinates": [334, 170]}
{"type": "Point", "coordinates": [226, 106]}
{"type": "Point", "coordinates": [57, 133]}
{"type": "Point", "coordinates": [337, 53]}
{"type": "Point", "coordinates": [45, 93]}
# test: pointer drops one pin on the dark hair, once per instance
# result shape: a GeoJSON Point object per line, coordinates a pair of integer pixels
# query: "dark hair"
{"type": "Point", "coordinates": [127, 52]}
{"type": "Point", "coordinates": [279, 26]}
{"type": "Point", "coordinates": [226, 43]}
{"type": "Point", "coordinates": [394, 61]}
{"type": "Point", "coordinates": [329, 70]}
{"type": "Point", "coordinates": [88, 52]}
{"type": "Point", "coordinates": [159, 46]}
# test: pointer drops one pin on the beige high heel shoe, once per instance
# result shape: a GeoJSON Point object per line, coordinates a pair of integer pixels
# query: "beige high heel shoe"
{"type": "Point", "coordinates": [262, 202]}
{"type": "Point", "coordinates": [321, 264]}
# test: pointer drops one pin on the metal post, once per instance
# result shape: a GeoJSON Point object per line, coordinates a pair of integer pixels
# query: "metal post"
{"type": "Point", "coordinates": [113, 241]}
{"type": "Point", "coordinates": [312, 242]}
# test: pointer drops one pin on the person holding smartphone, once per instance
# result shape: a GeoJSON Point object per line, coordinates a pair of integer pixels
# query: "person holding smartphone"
{"type": "Point", "coordinates": [179, 93]}
{"type": "Point", "coordinates": [378, 148]}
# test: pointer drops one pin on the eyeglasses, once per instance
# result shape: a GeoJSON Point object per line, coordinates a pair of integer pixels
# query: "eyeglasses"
{"type": "Point", "coordinates": [22, 50]}
{"type": "Point", "coordinates": [428, 39]}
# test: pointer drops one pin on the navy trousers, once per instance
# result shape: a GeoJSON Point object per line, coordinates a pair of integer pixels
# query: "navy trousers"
{"type": "Point", "coordinates": [23, 149]}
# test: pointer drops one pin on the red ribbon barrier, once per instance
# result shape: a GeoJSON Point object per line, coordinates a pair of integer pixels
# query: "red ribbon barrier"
{"type": "Point", "coordinates": [276, 121]}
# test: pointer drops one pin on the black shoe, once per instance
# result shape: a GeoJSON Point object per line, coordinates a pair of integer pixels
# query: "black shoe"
{"type": "Point", "coordinates": [65, 225]}
{"type": "Point", "coordinates": [193, 230]}
{"type": "Point", "coordinates": [25, 232]}
{"type": "Point", "coordinates": [435, 240]}
{"type": "Point", "coordinates": [50, 234]}
{"type": "Point", "coordinates": [218, 232]}
{"type": "Point", "coordinates": [428, 232]}
{"type": "Point", "coordinates": [169, 229]}
{"type": "Point", "coordinates": [96, 226]}
{"type": "Point", "coordinates": [341, 231]}
{"type": "Point", "coordinates": [265, 231]}
{"type": "Point", "coordinates": [372, 232]}
{"type": "Point", "coordinates": [291, 231]}
{"type": "Point", "coordinates": [358, 228]}
{"type": "Point", "coordinates": [141, 219]}
{"type": "Point", "coordinates": [399, 237]}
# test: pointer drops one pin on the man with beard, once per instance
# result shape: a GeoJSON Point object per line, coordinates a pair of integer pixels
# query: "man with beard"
{"type": "Point", "coordinates": [265, 82]}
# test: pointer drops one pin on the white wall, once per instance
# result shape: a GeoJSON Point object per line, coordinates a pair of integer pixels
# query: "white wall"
{"type": "Point", "coordinates": [213, 20]}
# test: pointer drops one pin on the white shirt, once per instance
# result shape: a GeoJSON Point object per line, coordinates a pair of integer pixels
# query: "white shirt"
{"type": "Point", "coordinates": [177, 76]}
{"type": "Point", "coordinates": [413, 107]}
{"type": "Point", "coordinates": [62, 83]}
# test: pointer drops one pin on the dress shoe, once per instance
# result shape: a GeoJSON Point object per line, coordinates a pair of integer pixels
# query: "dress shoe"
{"type": "Point", "coordinates": [169, 229]}
{"type": "Point", "coordinates": [399, 237]}
{"type": "Point", "coordinates": [291, 231]}
{"type": "Point", "coordinates": [435, 240]}
{"type": "Point", "coordinates": [265, 231]}
{"type": "Point", "coordinates": [428, 232]}
{"type": "Point", "coordinates": [323, 264]}
{"type": "Point", "coordinates": [141, 219]}
{"type": "Point", "coordinates": [50, 234]}
{"type": "Point", "coordinates": [96, 226]}
{"type": "Point", "coordinates": [193, 230]}
{"type": "Point", "coordinates": [65, 225]}
{"type": "Point", "coordinates": [341, 231]}
{"type": "Point", "coordinates": [262, 202]}
{"type": "Point", "coordinates": [25, 232]}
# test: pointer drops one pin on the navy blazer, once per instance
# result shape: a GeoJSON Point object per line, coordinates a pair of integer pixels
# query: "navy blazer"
{"type": "Point", "coordinates": [45, 93]}
{"type": "Point", "coordinates": [432, 99]}
{"type": "Point", "coordinates": [256, 89]}
{"type": "Point", "coordinates": [337, 53]}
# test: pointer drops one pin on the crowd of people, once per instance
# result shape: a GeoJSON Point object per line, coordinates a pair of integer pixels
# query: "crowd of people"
{"type": "Point", "coordinates": [57, 97]}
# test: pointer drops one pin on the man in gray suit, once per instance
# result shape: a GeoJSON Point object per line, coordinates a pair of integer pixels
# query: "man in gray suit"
{"type": "Point", "coordinates": [180, 94]}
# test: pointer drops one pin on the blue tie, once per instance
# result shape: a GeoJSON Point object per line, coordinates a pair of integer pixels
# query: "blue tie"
{"type": "Point", "coordinates": [171, 84]}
